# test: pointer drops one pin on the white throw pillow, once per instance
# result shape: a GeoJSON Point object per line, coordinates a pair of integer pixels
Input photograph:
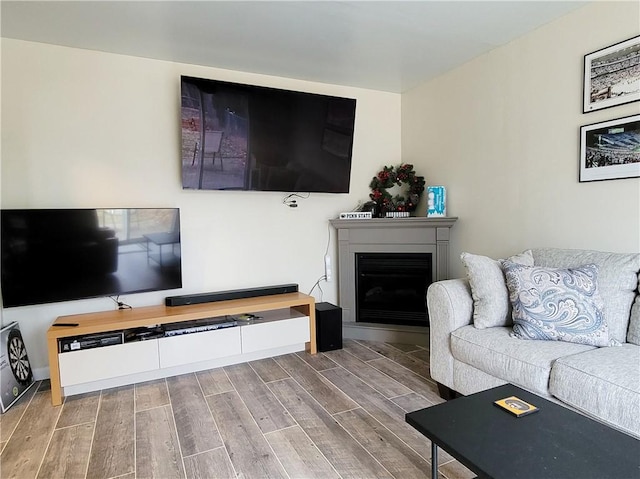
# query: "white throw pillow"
{"type": "Point", "coordinates": [491, 306]}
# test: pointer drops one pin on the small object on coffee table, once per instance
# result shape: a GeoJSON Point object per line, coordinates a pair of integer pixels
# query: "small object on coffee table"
{"type": "Point", "coordinates": [516, 406]}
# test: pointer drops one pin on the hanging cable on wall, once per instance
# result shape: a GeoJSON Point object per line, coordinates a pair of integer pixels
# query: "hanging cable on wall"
{"type": "Point", "coordinates": [290, 199]}
{"type": "Point", "coordinates": [120, 304]}
{"type": "Point", "coordinates": [325, 277]}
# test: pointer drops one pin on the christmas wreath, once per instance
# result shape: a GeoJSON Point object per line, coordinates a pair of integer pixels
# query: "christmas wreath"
{"type": "Point", "coordinates": [403, 175]}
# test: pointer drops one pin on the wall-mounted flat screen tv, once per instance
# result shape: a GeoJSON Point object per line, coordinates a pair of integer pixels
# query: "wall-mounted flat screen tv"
{"type": "Point", "coordinates": [243, 137]}
{"type": "Point", "coordinates": [52, 255]}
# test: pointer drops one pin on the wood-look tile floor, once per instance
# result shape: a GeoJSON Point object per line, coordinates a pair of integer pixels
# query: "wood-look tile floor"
{"type": "Point", "coordinates": [338, 414]}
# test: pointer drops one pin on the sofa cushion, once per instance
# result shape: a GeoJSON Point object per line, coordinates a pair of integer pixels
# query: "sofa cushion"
{"type": "Point", "coordinates": [557, 304]}
{"type": "Point", "coordinates": [470, 380]}
{"type": "Point", "coordinates": [604, 383]}
{"type": "Point", "coordinates": [617, 280]}
{"type": "Point", "coordinates": [524, 363]}
{"type": "Point", "coordinates": [491, 305]}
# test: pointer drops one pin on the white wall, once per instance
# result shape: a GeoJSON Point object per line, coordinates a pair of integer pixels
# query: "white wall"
{"type": "Point", "coordinates": [502, 134]}
{"type": "Point", "coordinates": [89, 129]}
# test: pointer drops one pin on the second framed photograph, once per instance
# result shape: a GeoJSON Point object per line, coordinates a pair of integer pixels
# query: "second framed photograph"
{"type": "Point", "coordinates": [610, 150]}
{"type": "Point", "coordinates": [612, 75]}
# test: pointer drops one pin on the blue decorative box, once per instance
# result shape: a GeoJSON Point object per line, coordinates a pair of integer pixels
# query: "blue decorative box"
{"type": "Point", "coordinates": [436, 201]}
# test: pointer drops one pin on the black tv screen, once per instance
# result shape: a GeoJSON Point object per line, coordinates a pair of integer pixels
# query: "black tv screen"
{"type": "Point", "coordinates": [243, 137]}
{"type": "Point", "coordinates": [52, 255]}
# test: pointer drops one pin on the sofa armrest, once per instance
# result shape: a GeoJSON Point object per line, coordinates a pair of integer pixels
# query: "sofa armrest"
{"type": "Point", "coordinates": [450, 307]}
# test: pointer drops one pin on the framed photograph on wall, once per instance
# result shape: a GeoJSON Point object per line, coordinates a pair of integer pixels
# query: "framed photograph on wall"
{"type": "Point", "coordinates": [610, 150]}
{"type": "Point", "coordinates": [612, 75]}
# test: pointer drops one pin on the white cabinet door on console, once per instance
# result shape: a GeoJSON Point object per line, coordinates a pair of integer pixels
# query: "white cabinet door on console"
{"type": "Point", "coordinates": [78, 367]}
{"type": "Point", "coordinates": [194, 347]}
{"type": "Point", "coordinates": [275, 334]}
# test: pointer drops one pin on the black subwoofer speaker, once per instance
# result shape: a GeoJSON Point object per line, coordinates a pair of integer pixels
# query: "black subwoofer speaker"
{"type": "Point", "coordinates": [328, 327]}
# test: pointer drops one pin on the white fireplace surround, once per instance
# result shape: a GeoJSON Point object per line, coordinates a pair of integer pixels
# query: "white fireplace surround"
{"type": "Point", "coordinates": [387, 235]}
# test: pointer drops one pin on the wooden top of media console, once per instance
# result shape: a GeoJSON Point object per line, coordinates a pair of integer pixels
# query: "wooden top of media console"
{"type": "Point", "coordinates": [90, 323]}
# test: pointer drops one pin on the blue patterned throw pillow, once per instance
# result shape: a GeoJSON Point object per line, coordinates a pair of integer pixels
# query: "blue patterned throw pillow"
{"type": "Point", "coordinates": [557, 304]}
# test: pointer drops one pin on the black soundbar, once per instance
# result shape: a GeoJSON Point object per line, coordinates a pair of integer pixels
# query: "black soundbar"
{"type": "Point", "coordinates": [231, 294]}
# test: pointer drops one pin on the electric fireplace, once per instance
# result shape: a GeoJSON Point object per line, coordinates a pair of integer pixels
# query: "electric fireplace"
{"type": "Point", "coordinates": [391, 288]}
{"type": "Point", "coordinates": [385, 266]}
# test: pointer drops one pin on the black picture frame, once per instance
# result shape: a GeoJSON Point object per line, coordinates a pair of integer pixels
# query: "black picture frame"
{"type": "Point", "coordinates": [612, 76]}
{"type": "Point", "coordinates": [610, 150]}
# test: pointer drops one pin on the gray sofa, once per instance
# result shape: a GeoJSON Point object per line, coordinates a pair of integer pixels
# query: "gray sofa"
{"type": "Point", "coordinates": [469, 354]}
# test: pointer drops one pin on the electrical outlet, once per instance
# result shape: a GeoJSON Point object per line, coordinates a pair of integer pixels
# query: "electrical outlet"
{"type": "Point", "coordinates": [327, 267]}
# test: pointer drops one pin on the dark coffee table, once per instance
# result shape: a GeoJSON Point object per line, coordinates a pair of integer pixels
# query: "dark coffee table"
{"type": "Point", "coordinates": [554, 442]}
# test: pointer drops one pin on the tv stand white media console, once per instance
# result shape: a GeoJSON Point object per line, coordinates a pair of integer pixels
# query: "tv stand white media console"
{"type": "Point", "coordinates": [288, 325]}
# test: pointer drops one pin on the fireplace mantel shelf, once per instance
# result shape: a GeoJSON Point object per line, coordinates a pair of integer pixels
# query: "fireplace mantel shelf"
{"type": "Point", "coordinates": [411, 222]}
{"type": "Point", "coordinates": [386, 235]}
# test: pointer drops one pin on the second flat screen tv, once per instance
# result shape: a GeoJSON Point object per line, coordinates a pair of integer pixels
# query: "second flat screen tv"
{"type": "Point", "coordinates": [243, 137]}
{"type": "Point", "coordinates": [52, 255]}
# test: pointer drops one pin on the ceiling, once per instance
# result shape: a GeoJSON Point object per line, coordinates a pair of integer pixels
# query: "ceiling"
{"type": "Point", "coordinates": [381, 45]}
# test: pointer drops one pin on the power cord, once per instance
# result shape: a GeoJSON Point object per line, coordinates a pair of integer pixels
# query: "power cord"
{"type": "Point", "coordinates": [120, 304]}
{"type": "Point", "coordinates": [327, 258]}
{"type": "Point", "coordinates": [326, 250]}
{"type": "Point", "coordinates": [324, 276]}
{"type": "Point", "coordinates": [317, 285]}
{"type": "Point", "coordinates": [290, 201]}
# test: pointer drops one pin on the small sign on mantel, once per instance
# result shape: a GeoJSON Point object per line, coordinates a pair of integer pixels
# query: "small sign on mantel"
{"type": "Point", "coordinates": [436, 201]}
{"type": "Point", "coordinates": [356, 215]}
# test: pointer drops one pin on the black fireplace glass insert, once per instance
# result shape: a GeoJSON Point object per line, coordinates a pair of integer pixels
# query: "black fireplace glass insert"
{"type": "Point", "coordinates": [391, 288]}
